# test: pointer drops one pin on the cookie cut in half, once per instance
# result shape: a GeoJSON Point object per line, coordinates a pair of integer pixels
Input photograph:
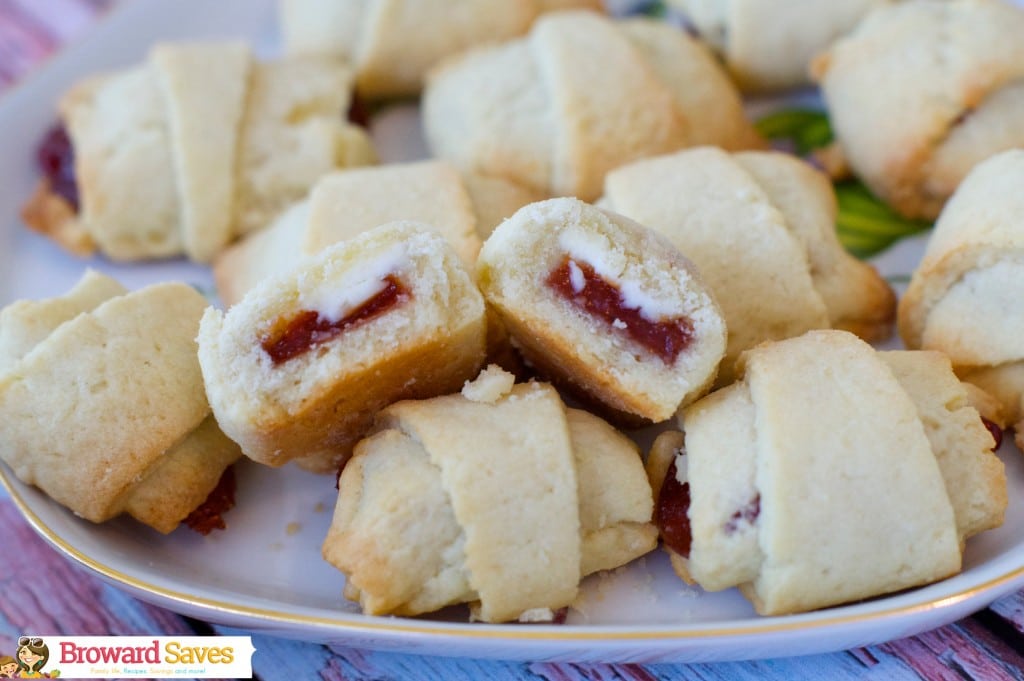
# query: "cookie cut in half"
{"type": "Point", "coordinates": [603, 305]}
{"type": "Point", "coordinates": [298, 368]}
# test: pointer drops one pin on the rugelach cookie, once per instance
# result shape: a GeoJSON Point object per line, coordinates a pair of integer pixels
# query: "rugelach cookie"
{"type": "Point", "coordinates": [102, 404]}
{"type": "Point", "coordinates": [920, 92]}
{"type": "Point", "coordinates": [830, 473]}
{"type": "Point", "coordinates": [196, 146]}
{"type": "Point", "coordinates": [964, 297]}
{"type": "Point", "coordinates": [498, 496]}
{"type": "Point", "coordinates": [578, 96]}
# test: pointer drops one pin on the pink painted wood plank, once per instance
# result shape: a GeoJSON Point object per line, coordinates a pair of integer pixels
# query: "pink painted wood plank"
{"type": "Point", "coordinates": [31, 30]}
{"type": "Point", "coordinates": [59, 19]}
{"type": "Point", "coordinates": [962, 650]}
{"type": "Point", "coordinates": [42, 593]}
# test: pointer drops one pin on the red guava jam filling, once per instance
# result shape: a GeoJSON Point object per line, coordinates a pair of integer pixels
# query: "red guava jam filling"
{"type": "Point", "coordinates": [358, 111]}
{"type": "Point", "coordinates": [748, 514]}
{"type": "Point", "coordinates": [307, 328]}
{"type": "Point", "coordinates": [665, 338]}
{"type": "Point", "coordinates": [56, 158]}
{"type": "Point", "coordinates": [209, 515]}
{"type": "Point", "coordinates": [996, 431]}
{"type": "Point", "coordinates": [672, 514]}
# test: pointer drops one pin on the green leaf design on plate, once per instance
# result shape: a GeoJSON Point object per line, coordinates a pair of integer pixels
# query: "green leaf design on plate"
{"type": "Point", "coordinates": [806, 129]}
{"type": "Point", "coordinates": [866, 225]}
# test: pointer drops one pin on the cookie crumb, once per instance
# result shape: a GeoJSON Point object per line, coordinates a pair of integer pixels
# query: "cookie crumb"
{"type": "Point", "coordinates": [537, 615]}
{"type": "Point", "coordinates": [491, 385]}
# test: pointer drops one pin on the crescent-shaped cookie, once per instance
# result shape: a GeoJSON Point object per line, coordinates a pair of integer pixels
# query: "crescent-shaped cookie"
{"type": "Point", "coordinates": [578, 96]}
{"type": "Point", "coordinates": [964, 296]}
{"type": "Point", "coordinates": [829, 473]}
{"type": "Point", "coordinates": [922, 91]}
{"type": "Point", "coordinates": [499, 496]}
{"type": "Point", "coordinates": [103, 407]}
{"type": "Point", "coordinates": [194, 147]}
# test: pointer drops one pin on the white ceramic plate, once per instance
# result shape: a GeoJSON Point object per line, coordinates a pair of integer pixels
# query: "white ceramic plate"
{"type": "Point", "coordinates": [265, 572]}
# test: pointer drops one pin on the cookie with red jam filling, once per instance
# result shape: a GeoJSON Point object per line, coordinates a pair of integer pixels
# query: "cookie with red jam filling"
{"type": "Point", "coordinates": [829, 473]}
{"type": "Point", "coordinates": [604, 306]}
{"type": "Point", "coordinates": [298, 368]}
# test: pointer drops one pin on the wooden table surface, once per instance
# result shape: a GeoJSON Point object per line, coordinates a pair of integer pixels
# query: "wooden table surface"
{"type": "Point", "coordinates": [41, 593]}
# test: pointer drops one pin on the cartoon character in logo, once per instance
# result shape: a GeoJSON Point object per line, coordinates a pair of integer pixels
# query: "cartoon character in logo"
{"type": "Point", "coordinates": [33, 655]}
{"type": "Point", "coordinates": [8, 667]}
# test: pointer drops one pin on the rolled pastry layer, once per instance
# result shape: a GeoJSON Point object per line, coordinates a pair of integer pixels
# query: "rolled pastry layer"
{"type": "Point", "coordinates": [194, 147]}
{"type": "Point", "coordinates": [499, 496]}
{"type": "Point", "coordinates": [463, 208]}
{"type": "Point", "coordinates": [25, 324]}
{"type": "Point", "coordinates": [766, 44]}
{"type": "Point", "coordinates": [604, 305]}
{"type": "Point", "coordinates": [102, 404]}
{"type": "Point", "coordinates": [964, 297]}
{"type": "Point", "coordinates": [297, 369]}
{"type": "Point", "coordinates": [393, 43]}
{"type": "Point", "coordinates": [578, 96]}
{"type": "Point", "coordinates": [921, 91]}
{"type": "Point", "coordinates": [760, 227]}
{"type": "Point", "coordinates": [830, 473]}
